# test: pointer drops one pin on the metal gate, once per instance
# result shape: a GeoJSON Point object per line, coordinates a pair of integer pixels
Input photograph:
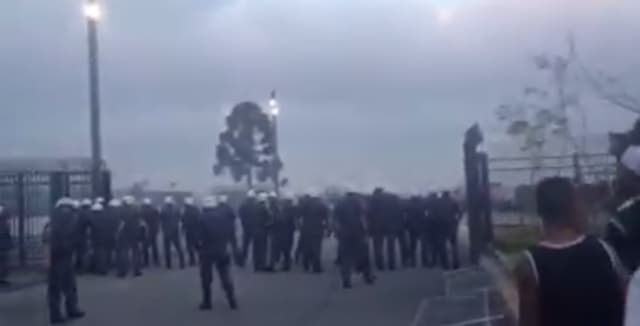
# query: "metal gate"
{"type": "Point", "coordinates": [500, 191]}
{"type": "Point", "coordinates": [29, 198]}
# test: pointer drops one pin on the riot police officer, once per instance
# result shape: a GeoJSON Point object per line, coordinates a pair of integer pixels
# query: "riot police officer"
{"type": "Point", "coordinates": [452, 215]}
{"type": "Point", "coordinates": [376, 216]}
{"type": "Point", "coordinates": [284, 229]}
{"type": "Point", "coordinates": [351, 234]}
{"type": "Point", "coordinates": [128, 238]}
{"type": "Point", "coordinates": [61, 275]}
{"type": "Point", "coordinates": [100, 238]}
{"type": "Point", "coordinates": [215, 234]}
{"type": "Point", "coordinates": [229, 214]}
{"type": "Point", "coordinates": [84, 221]}
{"type": "Point", "coordinates": [416, 226]}
{"type": "Point", "coordinates": [170, 219]}
{"type": "Point", "coordinates": [112, 216]}
{"type": "Point", "coordinates": [190, 216]}
{"type": "Point", "coordinates": [248, 218]}
{"type": "Point", "coordinates": [315, 217]}
{"type": "Point", "coordinates": [264, 222]}
{"type": "Point", "coordinates": [5, 246]}
{"type": "Point", "coordinates": [151, 218]}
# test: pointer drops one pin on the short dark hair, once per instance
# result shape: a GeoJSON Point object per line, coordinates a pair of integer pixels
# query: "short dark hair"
{"type": "Point", "coordinates": [555, 198]}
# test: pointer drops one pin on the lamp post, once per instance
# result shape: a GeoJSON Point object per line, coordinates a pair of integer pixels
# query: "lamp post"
{"type": "Point", "coordinates": [274, 111]}
{"type": "Point", "coordinates": [93, 13]}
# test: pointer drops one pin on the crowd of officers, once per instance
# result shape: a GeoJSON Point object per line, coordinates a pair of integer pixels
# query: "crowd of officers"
{"type": "Point", "coordinates": [123, 236]}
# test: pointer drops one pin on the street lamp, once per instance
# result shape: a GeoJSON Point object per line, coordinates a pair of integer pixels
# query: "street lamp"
{"type": "Point", "coordinates": [274, 111]}
{"type": "Point", "coordinates": [93, 13]}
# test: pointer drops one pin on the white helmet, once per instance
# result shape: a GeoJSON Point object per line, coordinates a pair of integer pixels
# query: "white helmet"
{"type": "Point", "coordinates": [86, 202]}
{"type": "Point", "coordinates": [97, 207]}
{"type": "Point", "coordinates": [209, 202]}
{"type": "Point", "coordinates": [168, 200]}
{"type": "Point", "coordinates": [64, 201]}
{"type": "Point", "coordinates": [263, 197]}
{"type": "Point", "coordinates": [251, 193]}
{"type": "Point", "coordinates": [129, 200]}
{"type": "Point", "coordinates": [189, 201]}
{"type": "Point", "coordinates": [223, 199]}
{"type": "Point", "coordinates": [100, 200]}
{"type": "Point", "coordinates": [115, 203]}
{"type": "Point", "coordinates": [76, 203]}
{"type": "Point", "coordinates": [273, 194]}
{"type": "Point", "coordinates": [146, 201]}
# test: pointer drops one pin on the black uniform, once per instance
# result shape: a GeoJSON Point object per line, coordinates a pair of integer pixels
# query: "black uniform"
{"type": "Point", "coordinates": [190, 217]}
{"type": "Point", "coordinates": [623, 233]}
{"type": "Point", "coordinates": [394, 230]}
{"type": "Point", "coordinates": [437, 232]}
{"type": "Point", "coordinates": [151, 218]}
{"type": "Point", "coordinates": [284, 230]}
{"type": "Point", "coordinates": [264, 223]}
{"type": "Point", "coordinates": [229, 214]}
{"type": "Point", "coordinates": [452, 214]}
{"type": "Point", "coordinates": [376, 215]}
{"type": "Point", "coordinates": [248, 217]}
{"type": "Point", "coordinates": [170, 219]}
{"type": "Point", "coordinates": [61, 275]}
{"type": "Point", "coordinates": [81, 245]}
{"type": "Point", "coordinates": [351, 233]}
{"type": "Point", "coordinates": [213, 240]}
{"type": "Point", "coordinates": [416, 227]}
{"type": "Point", "coordinates": [315, 215]}
{"type": "Point", "coordinates": [112, 215]}
{"type": "Point", "coordinates": [129, 243]}
{"type": "Point", "coordinates": [5, 245]}
{"type": "Point", "coordinates": [101, 238]}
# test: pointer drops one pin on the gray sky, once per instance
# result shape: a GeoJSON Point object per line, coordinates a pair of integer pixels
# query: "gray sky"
{"type": "Point", "coordinates": [372, 91]}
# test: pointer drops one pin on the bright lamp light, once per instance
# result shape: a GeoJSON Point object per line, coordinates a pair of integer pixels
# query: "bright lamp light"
{"type": "Point", "coordinates": [273, 103]}
{"type": "Point", "coordinates": [275, 110]}
{"type": "Point", "coordinates": [92, 11]}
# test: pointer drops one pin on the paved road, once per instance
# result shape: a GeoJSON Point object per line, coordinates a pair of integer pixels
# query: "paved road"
{"type": "Point", "coordinates": [170, 298]}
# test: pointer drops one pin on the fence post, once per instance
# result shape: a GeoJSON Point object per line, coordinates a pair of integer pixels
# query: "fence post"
{"type": "Point", "coordinates": [21, 210]}
{"type": "Point", "coordinates": [473, 137]}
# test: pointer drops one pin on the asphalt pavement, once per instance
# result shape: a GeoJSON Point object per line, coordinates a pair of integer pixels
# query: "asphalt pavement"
{"type": "Point", "coordinates": [170, 298]}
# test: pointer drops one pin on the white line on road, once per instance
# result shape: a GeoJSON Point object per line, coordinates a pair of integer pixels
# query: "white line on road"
{"type": "Point", "coordinates": [477, 320]}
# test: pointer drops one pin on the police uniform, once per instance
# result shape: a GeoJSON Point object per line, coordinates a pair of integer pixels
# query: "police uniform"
{"type": "Point", "coordinates": [353, 247]}
{"type": "Point", "coordinates": [213, 241]}
{"type": "Point", "coordinates": [190, 216]}
{"type": "Point", "coordinates": [170, 219]}
{"type": "Point", "coordinates": [61, 274]}
{"type": "Point", "coordinates": [129, 239]}
{"type": "Point", "coordinates": [84, 220]}
{"type": "Point", "coordinates": [284, 230]}
{"type": "Point", "coordinates": [100, 234]}
{"type": "Point", "coordinates": [151, 218]}
{"type": "Point", "coordinates": [248, 218]}
{"type": "Point", "coordinates": [264, 222]}
{"type": "Point", "coordinates": [315, 217]}
{"type": "Point", "coordinates": [5, 245]}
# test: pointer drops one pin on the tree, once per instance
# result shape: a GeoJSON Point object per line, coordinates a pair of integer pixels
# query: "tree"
{"type": "Point", "coordinates": [542, 113]}
{"type": "Point", "coordinates": [246, 147]}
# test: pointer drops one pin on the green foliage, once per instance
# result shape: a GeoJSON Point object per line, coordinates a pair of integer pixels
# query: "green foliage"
{"type": "Point", "coordinates": [247, 145]}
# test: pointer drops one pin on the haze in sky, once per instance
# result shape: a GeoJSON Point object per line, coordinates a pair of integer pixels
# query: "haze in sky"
{"type": "Point", "coordinates": [371, 92]}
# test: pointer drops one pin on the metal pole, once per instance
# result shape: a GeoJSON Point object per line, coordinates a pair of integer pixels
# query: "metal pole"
{"type": "Point", "coordinates": [94, 102]}
{"type": "Point", "coordinates": [276, 171]}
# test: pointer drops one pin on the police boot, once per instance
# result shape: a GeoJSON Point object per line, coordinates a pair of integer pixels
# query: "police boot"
{"type": "Point", "coordinates": [55, 317]}
{"type": "Point", "coordinates": [346, 284]}
{"type": "Point", "coordinates": [231, 299]}
{"type": "Point", "coordinates": [76, 314]}
{"type": "Point", "coordinates": [206, 300]}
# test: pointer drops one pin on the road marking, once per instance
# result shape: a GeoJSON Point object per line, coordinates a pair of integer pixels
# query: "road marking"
{"type": "Point", "coordinates": [477, 320]}
{"type": "Point", "coordinates": [421, 308]}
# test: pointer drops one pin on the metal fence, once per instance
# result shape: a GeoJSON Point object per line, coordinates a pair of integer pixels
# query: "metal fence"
{"type": "Point", "coordinates": [501, 190]}
{"type": "Point", "coordinates": [29, 197]}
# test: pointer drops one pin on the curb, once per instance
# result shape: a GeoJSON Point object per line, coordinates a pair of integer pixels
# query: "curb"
{"type": "Point", "coordinates": [495, 263]}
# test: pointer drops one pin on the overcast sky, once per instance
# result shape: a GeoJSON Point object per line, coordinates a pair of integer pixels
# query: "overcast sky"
{"type": "Point", "coordinates": [372, 91]}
